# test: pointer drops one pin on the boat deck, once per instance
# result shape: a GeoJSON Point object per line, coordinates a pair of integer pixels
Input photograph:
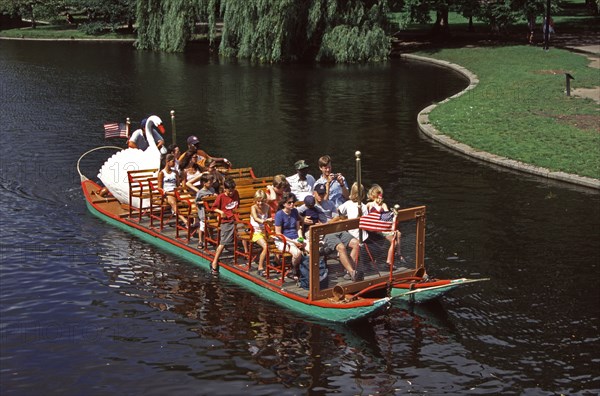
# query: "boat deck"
{"type": "Point", "coordinates": [373, 273]}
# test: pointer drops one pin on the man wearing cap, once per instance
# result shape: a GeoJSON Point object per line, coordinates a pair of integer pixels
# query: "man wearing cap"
{"type": "Point", "coordinates": [138, 138]}
{"type": "Point", "coordinates": [301, 183]}
{"type": "Point", "coordinates": [194, 146]}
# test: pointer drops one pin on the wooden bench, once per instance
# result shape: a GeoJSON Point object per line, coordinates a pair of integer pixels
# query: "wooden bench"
{"type": "Point", "coordinates": [239, 173]}
{"type": "Point", "coordinates": [139, 189]}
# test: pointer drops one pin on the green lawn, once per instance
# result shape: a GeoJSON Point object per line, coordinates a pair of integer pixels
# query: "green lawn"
{"type": "Point", "coordinates": [520, 110]}
{"type": "Point", "coordinates": [59, 32]}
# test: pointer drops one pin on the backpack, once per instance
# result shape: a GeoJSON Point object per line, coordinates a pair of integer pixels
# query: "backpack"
{"type": "Point", "coordinates": [305, 271]}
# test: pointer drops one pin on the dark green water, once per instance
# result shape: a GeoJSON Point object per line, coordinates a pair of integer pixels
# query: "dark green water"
{"type": "Point", "coordinates": [87, 309]}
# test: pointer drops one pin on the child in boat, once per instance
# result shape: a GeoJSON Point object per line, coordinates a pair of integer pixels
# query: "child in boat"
{"type": "Point", "coordinates": [225, 204]}
{"type": "Point", "coordinates": [218, 178]}
{"type": "Point", "coordinates": [376, 204]}
{"type": "Point", "coordinates": [309, 211]}
{"type": "Point", "coordinates": [206, 190]}
{"type": "Point", "coordinates": [260, 214]}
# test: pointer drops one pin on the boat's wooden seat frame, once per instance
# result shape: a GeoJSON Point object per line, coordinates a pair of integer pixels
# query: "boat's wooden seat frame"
{"type": "Point", "coordinates": [139, 188]}
{"type": "Point", "coordinates": [186, 209]}
{"type": "Point", "coordinates": [158, 206]}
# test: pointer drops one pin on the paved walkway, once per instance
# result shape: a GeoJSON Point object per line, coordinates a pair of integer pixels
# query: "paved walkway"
{"type": "Point", "coordinates": [429, 130]}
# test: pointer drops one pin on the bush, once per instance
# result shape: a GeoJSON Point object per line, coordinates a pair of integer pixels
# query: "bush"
{"type": "Point", "coordinates": [94, 28]}
{"type": "Point", "coordinates": [346, 43]}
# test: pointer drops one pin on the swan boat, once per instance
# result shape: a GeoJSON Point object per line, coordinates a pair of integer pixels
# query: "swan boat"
{"type": "Point", "coordinates": [332, 297]}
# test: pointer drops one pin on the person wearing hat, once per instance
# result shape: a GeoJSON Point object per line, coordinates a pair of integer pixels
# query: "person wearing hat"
{"type": "Point", "coordinates": [301, 183]}
{"type": "Point", "coordinates": [194, 148]}
{"type": "Point", "coordinates": [138, 138]}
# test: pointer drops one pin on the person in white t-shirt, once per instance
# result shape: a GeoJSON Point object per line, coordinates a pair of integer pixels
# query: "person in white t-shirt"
{"type": "Point", "coordinates": [301, 183]}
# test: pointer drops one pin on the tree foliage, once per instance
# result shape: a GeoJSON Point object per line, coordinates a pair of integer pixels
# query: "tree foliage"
{"type": "Point", "coordinates": [34, 10]}
{"type": "Point", "coordinates": [271, 30]}
{"type": "Point", "coordinates": [164, 25]}
{"type": "Point", "coordinates": [498, 14]}
{"type": "Point", "coordinates": [109, 14]}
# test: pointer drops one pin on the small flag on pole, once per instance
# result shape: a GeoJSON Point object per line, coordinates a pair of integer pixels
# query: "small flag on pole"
{"type": "Point", "coordinates": [378, 222]}
{"type": "Point", "coordinates": [115, 130]}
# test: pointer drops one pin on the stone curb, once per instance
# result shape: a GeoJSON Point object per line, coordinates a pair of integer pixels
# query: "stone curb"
{"type": "Point", "coordinates": [431, 132]}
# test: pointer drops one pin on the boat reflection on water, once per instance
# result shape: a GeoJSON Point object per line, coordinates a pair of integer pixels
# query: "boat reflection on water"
{"type": "Point", "coordinates": [281, 347]}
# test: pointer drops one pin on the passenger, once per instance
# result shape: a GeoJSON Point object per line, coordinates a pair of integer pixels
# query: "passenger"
{"type": "Point", "coordinates": [301, 184]}
{"type": "Point", "coordinates": [275, 192]}
{"type": "Point", "coordinates": [354, 208]}
{"type": "Point", "coordinates": [321, 202]}
{"type": "Point", "coordinates": [167, 184]}
{"type": "Point", "coordinates": [218, 177]}
{"type": "Point", "coordinates": [205, 191]}
{"type": "Point", "coordinates": [190, 172]}
{"type": "Point", "coordinates": [311, 214]}
{"type": "Point", "coordinates": [174, 149]}
{"type": "Point", "coordinates": [138, 138]}
{"type": "Point", "coordinates": [194, 144]}
{"type": "Point", "coordinates": [335, 183]}
{"type": "Point", "coordinates": [287, 223]}
{"type": "Point", "coordinates": [338, 241]}
{"type": "Point", "coordinates": [377, 205]}
{"type": "Point", "coordinates": [225, 204]}
{"type": "Point", "coordinates": [260, 214]}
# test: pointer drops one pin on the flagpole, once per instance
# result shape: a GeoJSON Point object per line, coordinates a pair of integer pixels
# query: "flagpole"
{"type": "Point", "coordinates": [173, 134]}
{"type": "Point", "coordinates": [359, 181]}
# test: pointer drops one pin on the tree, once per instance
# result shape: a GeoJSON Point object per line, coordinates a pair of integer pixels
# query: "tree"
{"type": "Point", "coordinates": [110, 14]}
{"type": "Point", "coordinates": [32, 9]}
{"type": "Point", "coordinates": [272, 30]}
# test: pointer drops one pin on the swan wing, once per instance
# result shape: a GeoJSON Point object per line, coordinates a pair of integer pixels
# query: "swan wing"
{"type": "Point", "coordinates": [113, 172]}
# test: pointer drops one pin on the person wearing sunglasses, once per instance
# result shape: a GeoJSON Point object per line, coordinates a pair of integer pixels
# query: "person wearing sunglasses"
{"type": "Point", "coordinates": [288, 223]}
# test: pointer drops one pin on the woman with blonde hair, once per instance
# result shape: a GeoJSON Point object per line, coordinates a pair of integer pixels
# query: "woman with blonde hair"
{"type": "Point", "coordinates": [260, 214]}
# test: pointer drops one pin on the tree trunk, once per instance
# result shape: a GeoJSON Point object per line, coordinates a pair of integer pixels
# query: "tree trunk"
{"type": "Point", "coordinates": [32, 11]}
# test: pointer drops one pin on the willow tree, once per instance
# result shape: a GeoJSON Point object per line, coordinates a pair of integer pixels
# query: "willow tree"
{"type": "Point", "coordinates": [164, 25]}
{"type": "Point", "coordinates": [272, 30]}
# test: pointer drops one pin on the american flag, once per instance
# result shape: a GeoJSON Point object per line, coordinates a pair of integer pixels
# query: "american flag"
{"type": "Point", "coordinates": [115, 130]}
{"type": "Point", "coordinates": [377, 222]}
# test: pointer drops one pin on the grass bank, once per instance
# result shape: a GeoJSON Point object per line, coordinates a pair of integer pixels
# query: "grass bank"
{"type": "Point", "coordinates": [520, 110]}
{"type": "Point", "coordinates": [61, 32]}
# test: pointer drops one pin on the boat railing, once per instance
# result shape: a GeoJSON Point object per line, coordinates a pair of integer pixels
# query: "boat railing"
{"type": "Point", "coordinates": [407, 256]}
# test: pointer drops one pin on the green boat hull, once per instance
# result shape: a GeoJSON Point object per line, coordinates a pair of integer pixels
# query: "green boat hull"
{"type": "Point", "coordinates": [343, 315]}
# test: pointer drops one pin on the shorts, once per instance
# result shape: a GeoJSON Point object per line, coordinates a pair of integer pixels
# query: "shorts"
{"type": "Point", "coordinates": [330, 241]}
{"type": "Point", "coordinates": [258, 235]}
{"type": "Point", "coordinates": [290, 248]}
{"type": "Point", "coordinates": [226, 234]}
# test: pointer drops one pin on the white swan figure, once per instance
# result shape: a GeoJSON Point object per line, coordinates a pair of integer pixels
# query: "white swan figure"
{"type": "Point", "coordinates": [114, 171]}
